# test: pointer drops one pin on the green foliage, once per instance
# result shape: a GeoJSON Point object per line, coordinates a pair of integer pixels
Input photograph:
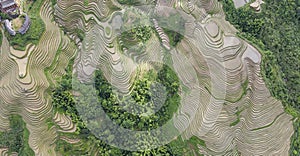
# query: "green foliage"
{"type": "Point", "coordinates": [276, 32]}
{"type": "Point", "coordinates": [63, 100]}
{"type": "Point", "coordinates": [174, 37]}
{"type": "Point", "coordinates": [80, 33]}
{"type": "Point", "coordinates": [235, 122]}
{"type": "Point", "coordinates": [136, 36]}
{"type": "Point", "coordinates": [26, 150]}
{"type": "Point", "coordinates": [142, 33]}
{"type": "Point", "coordinates": [173, 26]}
{"type": "Point", "coordinates": [295, 144]}
{"type": "Point", "coordinates": [35, 31]}
{"type": "Point", "coordinates": [196, 141]}
{"type": "Point", "coordinates": [89, 144]}
{"type": "Point", "coordinates": [178, 147]}
{"type": "Point", "coordinates": [16, 139]}
{"type": "Point", "coordinates": [136, 2]}
{"type": "Point", "coordinates": [129, 2]}
{"type": "Point", "coordinates": [86, 2]}
{"type": "Point", "coordinates": [1, 38]}
{"type": "Point", "coordinates": [4, 16]}
{"type": "Point", "coordinates": [135, 30]}
{"type": "Point", "coordinates": [53, 2]}
{"type": "Point", "coordinates": [141, 95]}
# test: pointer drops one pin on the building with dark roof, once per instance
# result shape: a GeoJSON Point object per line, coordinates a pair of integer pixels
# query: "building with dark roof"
{"type": "Point", "coordinates": [8, 5]}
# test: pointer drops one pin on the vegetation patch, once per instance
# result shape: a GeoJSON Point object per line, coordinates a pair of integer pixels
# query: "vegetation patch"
{"type": "Point", "coordinates": [16, 139]}
{"type": "Point", "coordinates": [174, 26]}
{"type": "Point", "coordinates": [136, 37]}
{"type": "Point", "coordinates": [63, 99]}
{"type": "Point", "coordinates": [80, 33]}
{"type": "Point", "coordinates": [17, 23]}
{"type": "Point", "coordinates": [180, 147]}
{"type": "Point", "coordinates": [36, 29]}
{"type": "Point", "coordinates": [135, 31]}
{"type": "Point", "coordinates": [141, 95]}
{"type": "Point", "coordinates": [53, 2]}
{"type": "Point", "coordinates": [4, 16]}
{"type": "Point", "coordinates": [1, 38]}
{"type": "Point", "coordinates": [136, 2]}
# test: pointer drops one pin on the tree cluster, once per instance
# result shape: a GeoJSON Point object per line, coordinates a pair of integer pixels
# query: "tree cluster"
{"type": "Point", "coordinates": [16, 139]}
{"type": "Point", "coordinates": [141, 95]}
{"type": "Point", "coordinates": [136, 37]}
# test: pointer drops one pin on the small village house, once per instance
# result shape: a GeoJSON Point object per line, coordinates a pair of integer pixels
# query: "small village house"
{"type": "Point", "coordinates": [7, 6]}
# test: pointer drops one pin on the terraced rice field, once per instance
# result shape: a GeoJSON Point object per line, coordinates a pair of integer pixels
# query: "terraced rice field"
{"type": "Point", "coordinates": [224, 99]}
{"type": "Point", "coordinates": [27, 95]}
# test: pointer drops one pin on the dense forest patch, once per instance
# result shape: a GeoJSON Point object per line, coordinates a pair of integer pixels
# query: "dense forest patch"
{"type": "Point", "coordinates": [136, 37]}
{"type": "Point", "coordinates": [141, 96]}
{"type": "Point", "coordinates": [16, 139]}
